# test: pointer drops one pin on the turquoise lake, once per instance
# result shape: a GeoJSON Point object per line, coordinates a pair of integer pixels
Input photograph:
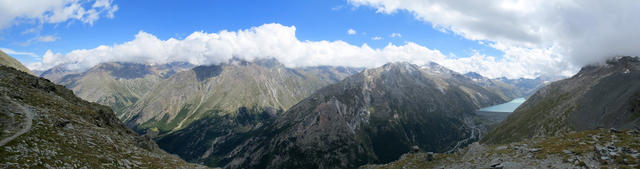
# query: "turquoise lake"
{"type": "Point", "coordinates": [504, 107]}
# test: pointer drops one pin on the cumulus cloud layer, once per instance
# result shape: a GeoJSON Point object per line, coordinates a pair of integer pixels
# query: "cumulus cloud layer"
{"type": "Point", "coordinates": [280, 42]}
{"type": "Point", "coordinates": [266, 41]}
{"type": "Point", "coordinates": [578, 32]}
{"type": "Point", "coordinates": [54, 11]}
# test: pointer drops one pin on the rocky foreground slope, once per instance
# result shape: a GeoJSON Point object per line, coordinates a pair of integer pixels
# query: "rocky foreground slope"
{"type": "Point", "coordinates": [587, 149]}
{"type": "Point", "coordinates": [44, 125]}
{"type": "Point", "coordinates": [599, 96]}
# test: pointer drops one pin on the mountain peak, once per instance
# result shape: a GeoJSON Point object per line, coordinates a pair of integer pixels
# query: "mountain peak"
{"type": "Point", "coordinates": [624, 64]}
{"type": "Point", "coordinates": [266, 62]}
{"type": "Point", "coordinates": [123, 69]}
{"type": "Point", "coordinates": [403, 66]}
{"type": "Point", "coordinates": [474, 75]}
{"type": "Point", "coordinates": [204, 72]}
{"type": "Point", "coordinates": [624, 60]}
{"type": "Point", "coordinates": [434, 68]}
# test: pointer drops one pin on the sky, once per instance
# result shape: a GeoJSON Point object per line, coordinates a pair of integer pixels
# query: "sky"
{"type": "Point", "coordinates": [496, 38]}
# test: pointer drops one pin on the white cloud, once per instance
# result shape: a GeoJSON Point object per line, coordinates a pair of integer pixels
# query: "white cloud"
{"type": "Point", "coordinates": [14, 12]}
{"type": "Point", "coordinates": [395, 35]}
{"type": "Point", "coordinates": [48, 38]}
{"type": "Point", "coordinates": [266, 41]}
{"type": "Point", "coordinates": [13, 52]}
{"type": "Point", "coordinates": [351, 32]}
{"type": "Point", "coordinates": [280, 42]}
{"type": "Point", "coordinates": [376, 38]}
{"type": "Point", "coordinates": [563, 33]}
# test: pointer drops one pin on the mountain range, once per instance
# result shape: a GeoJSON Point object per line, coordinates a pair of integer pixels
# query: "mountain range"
{"type": "Point", "coordinates": [373, 116]}
{"type": "Point", "coordinates": [262, 114]}
{"type": "Point", "coordinates": [218, 90]}
{"type": "Point", "coordinates": [116, 84]}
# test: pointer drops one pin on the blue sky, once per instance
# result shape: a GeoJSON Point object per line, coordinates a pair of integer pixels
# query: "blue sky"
{"type": "Point", "coordinates": [314, 20]}
{"type": "Point", "coordinates": [496, 38]}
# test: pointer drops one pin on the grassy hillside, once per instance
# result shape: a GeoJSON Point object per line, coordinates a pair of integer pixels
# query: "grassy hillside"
{"type": "Point", "coordinates": [7, 60]}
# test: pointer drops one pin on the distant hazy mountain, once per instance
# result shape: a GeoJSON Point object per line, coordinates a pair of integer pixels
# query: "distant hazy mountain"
{"type": "Point", "coordinates": [56, 73]}
{"type": "Point", "coordinates": [115, 84]}
{"type": "Point", "coordinates": [372, 116]}
{"type": "Point", "coordinates": [45, 126]}
{"type": "Point", "coordinates": [527, 87]}
{"type": "Point", "coordinates": [218, 90]}
{"type": "Point", "coordinates": [505, 90]}
{"type": "Point", "coordinates": [605, 96]}
{"type": "Point", "coordinates": [9, 61]}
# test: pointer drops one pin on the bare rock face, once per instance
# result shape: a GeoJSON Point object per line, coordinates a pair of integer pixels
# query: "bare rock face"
{"type": "Point", "coordinates": [45, 125]}
{"type": "Point", "coordinates": [371, 117]}
{"type": "Point", "coordinates": [599, 96]}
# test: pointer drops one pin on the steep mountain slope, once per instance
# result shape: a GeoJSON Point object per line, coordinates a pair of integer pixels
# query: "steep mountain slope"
{"type": "Point", "coordinates": [118, 85]}
{"type": "Point", "coordinates": [506, 91]}
{"type": "Point", "coordinates": [605, 95]}
{"type": "Point", "coordinates": [44, 125]}
{"type": "Point", "coordinates": [373, 116]}
{"type": "Point", "coordinates": [9, 61]}
{"type": "Point", "coordinates": [223, 89]}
